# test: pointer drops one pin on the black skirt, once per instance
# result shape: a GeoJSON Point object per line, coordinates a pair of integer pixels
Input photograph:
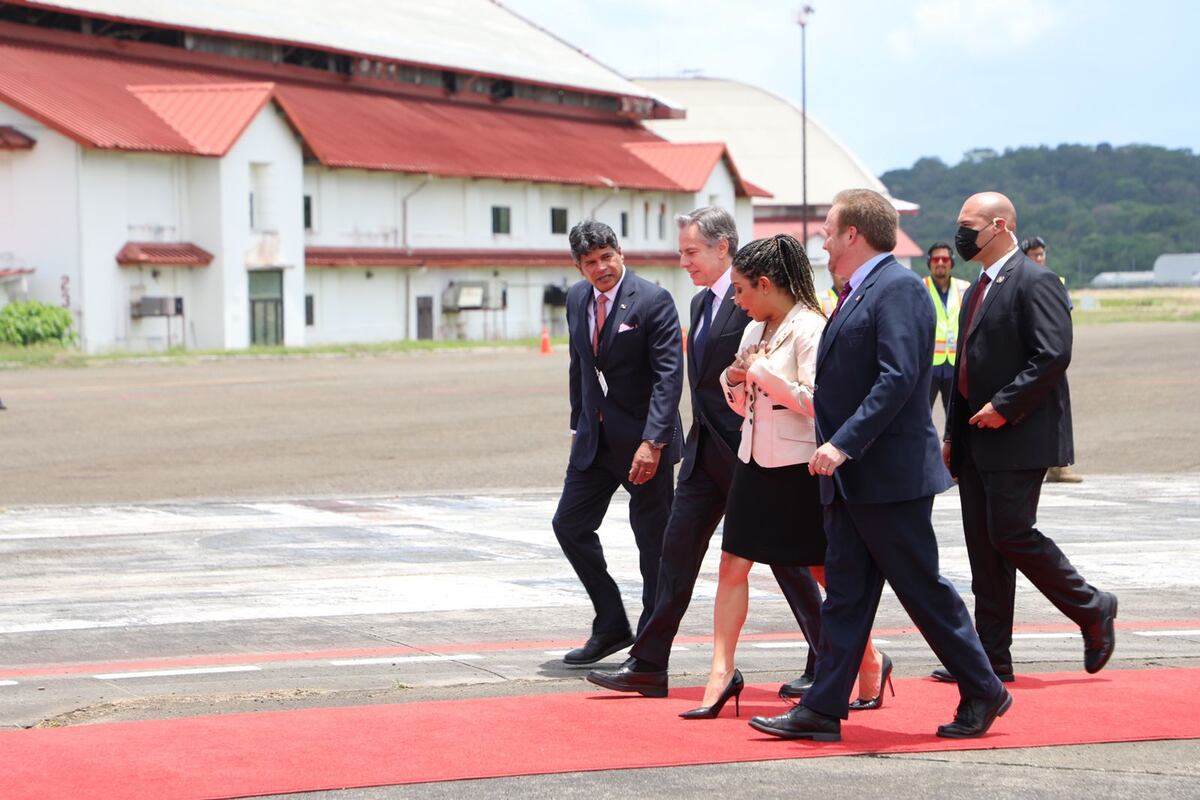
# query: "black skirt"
{"type": "Point", "coordinates": [774, 516]}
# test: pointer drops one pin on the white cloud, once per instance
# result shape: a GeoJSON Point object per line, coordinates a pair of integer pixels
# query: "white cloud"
{"type": "Point", "coordinates": [979, 26]}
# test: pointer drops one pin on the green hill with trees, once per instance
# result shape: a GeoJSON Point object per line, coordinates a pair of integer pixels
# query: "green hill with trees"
{"type": "Point", "coordinates": [1099, 208]}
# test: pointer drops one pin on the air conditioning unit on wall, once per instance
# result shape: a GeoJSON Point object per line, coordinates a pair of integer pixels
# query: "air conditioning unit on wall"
{"type": "Point", "coordinates": [156, 307]}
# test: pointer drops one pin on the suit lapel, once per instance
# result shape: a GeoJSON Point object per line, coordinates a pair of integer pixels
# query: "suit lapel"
{"type": "Point", "coordinates": [582, 333]}
{"type": "Point", "coordinates": [997, 287]}
{"type": "Point", "coordinates": [692, 367]}
{"type": "Point", "coordinates": [724, 311]}
{"type": "Point", "coordinates": [849, 308]}
{"type": "Point", "coordinates": [621, 306]}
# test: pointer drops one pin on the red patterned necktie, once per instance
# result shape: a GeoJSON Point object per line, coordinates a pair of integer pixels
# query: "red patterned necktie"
{"type": "Point", "coordinates": [601, 302]}
{"type": "Point", "coordinates": [976, 299]}
{"type": "Point", "coordinates": [842, 295]}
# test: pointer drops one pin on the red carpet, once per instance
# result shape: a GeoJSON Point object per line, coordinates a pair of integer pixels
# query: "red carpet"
{"type": "Point", "coordinates": [294, 751]}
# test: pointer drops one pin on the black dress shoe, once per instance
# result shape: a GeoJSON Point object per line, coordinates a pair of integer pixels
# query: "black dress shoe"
{"type": "Point", "coordinates": [975, 716]}
{"type": "Point", "coordinates": [627, 678]}
{"type": "Point", "coordinates": [801, 723]}
{"type": "Point", "coordinates": [597, 648]}
{"type": "Point", "coordinates": [942, 674]}
{"type": "Point", "coordinates": [1100, 640]}
{"type": "Point", "coordinates": [795, 690]}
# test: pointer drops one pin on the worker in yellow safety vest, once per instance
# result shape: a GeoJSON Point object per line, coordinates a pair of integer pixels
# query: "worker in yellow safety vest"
{"type": "Point", "coordinates": [829, 298]}
{"type": "Point", "coordinates": [1035, 248]}
{"type": "Point", "coordinates": [946, 293]}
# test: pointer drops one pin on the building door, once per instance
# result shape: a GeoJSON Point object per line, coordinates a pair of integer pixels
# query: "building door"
{"type": "Point", "coordinates": [424, 317]}
{"type": "Point", "coordinates": [266, 307]}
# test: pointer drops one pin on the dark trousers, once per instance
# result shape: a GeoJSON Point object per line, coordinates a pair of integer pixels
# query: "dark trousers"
{"type": "Point", "coordinates": [942, 386]}
{"type": "Point", "coordinates": [698, 507]}
{"type": "Point", "coordinates": [999, 511]}
{"type": "Point", "coordinates": [581, 508]}
{"type": "Point", "coordinates": [892, 541]}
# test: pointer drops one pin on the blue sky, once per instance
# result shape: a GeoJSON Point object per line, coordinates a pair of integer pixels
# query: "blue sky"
{"type": "Point", "coordinates": [904, 79]}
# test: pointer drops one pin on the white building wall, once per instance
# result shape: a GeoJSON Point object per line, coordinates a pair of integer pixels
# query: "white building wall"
{"type": "Point", "coordinates": [126, 197]}
{"type": "Point", "coordinates": [40, 227]}
{"type": "Point", "coordinates": [278, 239]}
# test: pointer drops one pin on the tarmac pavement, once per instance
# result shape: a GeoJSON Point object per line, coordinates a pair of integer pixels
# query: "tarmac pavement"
{"type": "Point", "coordinates": [347, 531]}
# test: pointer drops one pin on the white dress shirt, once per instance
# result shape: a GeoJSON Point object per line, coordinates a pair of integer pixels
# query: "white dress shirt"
{"type": "Point", "coordinates": [611, 294]}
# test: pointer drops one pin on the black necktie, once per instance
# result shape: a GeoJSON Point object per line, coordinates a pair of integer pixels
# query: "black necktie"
{"type": "Point", "coordinates": [705, 323]}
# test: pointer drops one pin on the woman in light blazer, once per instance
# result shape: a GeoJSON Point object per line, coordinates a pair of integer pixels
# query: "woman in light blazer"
{"type": "Point", "coordinates": [773, 515]}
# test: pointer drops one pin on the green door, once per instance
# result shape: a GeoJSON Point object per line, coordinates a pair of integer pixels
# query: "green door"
{"type": "Point", "coordinates": [266, 307]}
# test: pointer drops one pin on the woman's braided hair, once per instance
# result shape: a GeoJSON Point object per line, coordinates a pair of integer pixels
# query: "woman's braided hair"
{"type": "Point", "coordinates": [782, 260]}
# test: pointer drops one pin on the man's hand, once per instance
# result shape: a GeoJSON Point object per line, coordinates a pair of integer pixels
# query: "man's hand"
{"type": "Point", "coordinates": [645, 464]}
{"type": "Point", "coordinates": [946, 454]}
{"type": "Point", "coordinates": [988, 417]}
{"type": "Point", "coordinates": [826, 460]}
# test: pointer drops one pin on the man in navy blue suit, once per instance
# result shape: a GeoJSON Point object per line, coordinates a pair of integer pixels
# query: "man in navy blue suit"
{"type": "Point", "coordinates": [880, 465]}
{"type": "Point", "coordinates": [626, 377]}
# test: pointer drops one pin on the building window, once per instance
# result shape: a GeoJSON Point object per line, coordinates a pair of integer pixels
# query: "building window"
{"type": "Point", "coordinates": [309, 315]}
{"type": "Point", "coordinates": [308, 212]}
{"type": "Point", "coordinates": [624, 224]}
{"type": "Point", "coordinates": [662, 221]}
{"type": "Point", "coordinates": [558, 220]}
{"type": "Point", "coordinates": [646, 219]}
{"type": "Point", "coordinates": [501, 219]}
{"type": "Point", "coordinates": [262, 214]}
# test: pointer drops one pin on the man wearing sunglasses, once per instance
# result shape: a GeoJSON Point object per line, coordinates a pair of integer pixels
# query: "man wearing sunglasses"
{"type": "Point", "coordinates": [946, 293]}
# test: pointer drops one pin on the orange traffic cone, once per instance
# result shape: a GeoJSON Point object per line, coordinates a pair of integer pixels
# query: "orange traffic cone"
{"type": "Point", "coordinates": [546, 349]}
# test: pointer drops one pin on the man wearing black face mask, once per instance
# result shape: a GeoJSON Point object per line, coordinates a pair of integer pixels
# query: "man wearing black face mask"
{"type": "Point", "coordinates": [1009, 420]}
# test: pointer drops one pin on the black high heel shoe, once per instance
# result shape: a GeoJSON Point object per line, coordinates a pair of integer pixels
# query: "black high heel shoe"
{"type": "Point", "coordinates": [734, 690]}
{"type": "Point", "coordinates": [885, 676]}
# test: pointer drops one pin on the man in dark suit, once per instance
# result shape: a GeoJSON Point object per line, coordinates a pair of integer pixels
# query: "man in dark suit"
{"type": "Point", "coordinates": [708, 240]}
{"type": "Point", "coordinates": [1009, 420]}
{"type": "Point", "coordinates": [626, 377]}
{"type": "Point", "coordinates": [880, 466]}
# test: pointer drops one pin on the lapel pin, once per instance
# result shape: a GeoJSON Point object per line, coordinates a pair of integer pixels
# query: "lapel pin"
{"type": "Point", "coordinates": [998, 280]}
{"type": "Point", "coordinates": [622, 306]}
{"type": "Point", "coordinates": [857, 299]}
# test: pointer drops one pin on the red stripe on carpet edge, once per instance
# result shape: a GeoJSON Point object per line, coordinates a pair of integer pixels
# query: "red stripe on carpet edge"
{"type": "Point", "coordinates": [242, 755]}
{"type": "Point", "coordinates": [68, 669]}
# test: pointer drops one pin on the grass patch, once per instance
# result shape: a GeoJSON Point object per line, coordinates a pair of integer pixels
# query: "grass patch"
{"type": "Point", "coordinates": [1151, 304]}
{"type": "Point", "coordinates": [50, 355]}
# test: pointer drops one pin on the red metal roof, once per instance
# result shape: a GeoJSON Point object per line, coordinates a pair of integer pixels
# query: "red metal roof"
{"type": "Point", "coordinates": [376, 131]}
{"type": "Point", "coordinates": [13, 139]}
{"type": "Point", "coordinates": [114, 101]}
{"type": "Point", "coordinates": [398, 257]}
{"type": "Point", "coordinates": [209, 116]}
{"type": "Point", "coordinates": [905, 246]}
{"type": "Point", "coordinates": [163, 254]}
{"type": "Point", "coordinates": [13, 272]}
{"type": "Point", "coordinates": [691, 163]}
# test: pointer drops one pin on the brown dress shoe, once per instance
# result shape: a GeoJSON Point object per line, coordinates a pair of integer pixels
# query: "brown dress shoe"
{"type": "Point", "coordinates": [1063, 475]}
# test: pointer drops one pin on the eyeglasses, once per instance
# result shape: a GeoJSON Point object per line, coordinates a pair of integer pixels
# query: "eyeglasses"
{"type": "Point", "coordinates": [940, 260]}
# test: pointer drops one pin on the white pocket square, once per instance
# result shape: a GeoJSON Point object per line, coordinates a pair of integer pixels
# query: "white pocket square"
{"type": "Point", "coordinates": [624, 327]}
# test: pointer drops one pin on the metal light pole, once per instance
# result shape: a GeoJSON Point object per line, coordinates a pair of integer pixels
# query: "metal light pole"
{"type": "Point", "coordinates": [802, 17]}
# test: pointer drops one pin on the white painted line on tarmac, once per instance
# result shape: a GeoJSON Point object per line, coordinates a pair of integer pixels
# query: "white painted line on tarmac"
{"type": "Point", "coordinates": [677, 649]}
{"type": "Point", "coordinates": [1167, 633]}
{"type": "Point", "coordinates": [8, 683]}
{"type": "Point", "coordinates": [172, 673]}
{"type": "Point", "coordinates": [1045, 635]}
{"type": "Point", "coordinates": [779, 645]}
{"type": "Point", "coordinates": [358, 662]}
